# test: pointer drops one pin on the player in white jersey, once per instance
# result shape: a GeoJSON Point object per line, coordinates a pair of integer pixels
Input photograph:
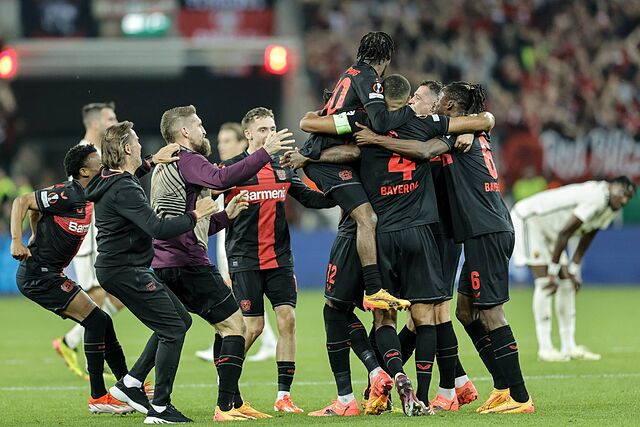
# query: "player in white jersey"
{"type": "Point", "coordinates": [96, 117]}
{"type": "Point", "coordinates": [543, 224]}
{"type": "Point", "coordinates": [231, 142]}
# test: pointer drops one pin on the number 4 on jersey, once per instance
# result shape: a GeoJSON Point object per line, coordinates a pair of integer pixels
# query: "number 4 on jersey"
{"type": "Point", "coordinates": [397, 163]}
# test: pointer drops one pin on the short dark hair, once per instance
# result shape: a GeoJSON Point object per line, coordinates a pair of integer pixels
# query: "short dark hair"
{"type": "Point", "coordinates": [375, 47]}
{"type": "Point", "coordinates": [434, 85]}
{"type": "Point", "coordinates": [95, 107]}
{"type": "Point", "coordinates": [235, 128]}
{"type": "Point", "coordinates": [626, 182]}
{"type": "Point", "coordinates": [76, 159]}
{"type": "Point", "coordinates": [396, 87]}
{"type": "Point", "coordinates": [470, 97]}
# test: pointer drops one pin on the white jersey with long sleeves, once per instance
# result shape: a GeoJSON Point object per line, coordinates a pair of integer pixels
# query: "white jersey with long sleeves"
{"type": "Point", "coordinates": [539, 219]}
{"type": "Point", "coordinates": [84, 261]}
{"type": "Point", "coordinates": [552, 209]}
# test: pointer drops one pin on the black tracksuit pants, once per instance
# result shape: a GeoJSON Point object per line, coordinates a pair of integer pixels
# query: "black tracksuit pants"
{"type": "Point", "coordinates": [159, 309]}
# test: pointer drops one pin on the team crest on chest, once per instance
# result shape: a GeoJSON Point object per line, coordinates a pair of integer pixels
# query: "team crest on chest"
{"type": "Point", "coordinates": [281, 174]}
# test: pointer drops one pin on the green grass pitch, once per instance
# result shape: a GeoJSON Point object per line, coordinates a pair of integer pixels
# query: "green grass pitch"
{"type": "Point", "coordinates": [36, 389]}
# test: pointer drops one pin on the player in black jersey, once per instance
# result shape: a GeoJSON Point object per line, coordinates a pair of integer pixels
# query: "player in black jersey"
{"type": "Point", "coordinates": [403, 198]}
{"type": "Point", "coordinates": [482, 222]}
{"type": "Point", "coordinates": [64, 219]}
{"type": "Point", "coordinates": [360, 86]}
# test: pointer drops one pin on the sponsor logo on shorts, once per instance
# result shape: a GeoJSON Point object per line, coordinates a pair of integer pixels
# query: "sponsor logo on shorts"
{"type": "Point", "coordinates": [245, 305]}
{"type": "Point", "coordinates": [151, 286]}
{"type": "Point", "coordinates": [67, 286]}
{"type": "Point", "coordinates": [345, 175]}
{"type": "Point", "coordinates": [282, 175]}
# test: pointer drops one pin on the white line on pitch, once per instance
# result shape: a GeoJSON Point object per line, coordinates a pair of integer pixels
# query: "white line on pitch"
{"type": "Point", "coordinates": [326, 383]}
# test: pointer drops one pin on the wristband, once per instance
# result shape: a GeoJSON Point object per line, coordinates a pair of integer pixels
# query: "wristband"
{"type": "Point", "coordinates": [553, 269]}
{"type": "Point", "coordinates": [573, 268]}
{"type": "Point", "coordinates": [342, 123]}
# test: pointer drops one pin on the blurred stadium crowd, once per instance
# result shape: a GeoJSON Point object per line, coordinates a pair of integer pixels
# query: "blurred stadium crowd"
{"type": "Point", "coordinates": [565, 66]}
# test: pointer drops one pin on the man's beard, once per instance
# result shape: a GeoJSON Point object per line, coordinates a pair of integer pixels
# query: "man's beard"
{"type": "Point", "coordinates": [203, 147]}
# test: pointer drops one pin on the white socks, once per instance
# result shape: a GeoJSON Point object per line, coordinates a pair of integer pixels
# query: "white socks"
{"type": "Point", "coordinates": [282, 394]}
{"type": "Point", "coordinates": [542, 314]}
{"type": "Point", "coordinates": [346, 399]}
{"type": "Point", "coordinates": [131, 382]}
{"type": "Point", "coordinates": [566, 312]}
{"type": "Point", "coordinates": [460, 381]}
{"type": "Point", "coordinates": [158, 409]}
{"type": "Point", "coordinates": [74, 337]}
{"type": "Point", "coordinates": [447, 393]}
{"type": "Point", "coordinates": [374, 372]}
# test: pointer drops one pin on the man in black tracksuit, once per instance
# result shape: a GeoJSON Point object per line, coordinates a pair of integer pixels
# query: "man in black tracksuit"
{"type": "Point", "coordinates": [126, 225]}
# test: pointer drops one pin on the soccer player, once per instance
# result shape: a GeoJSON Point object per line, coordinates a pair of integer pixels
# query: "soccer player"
{"type": "Point", "coordinates": [182, 262]}
{"type": "Point", "coordinates": [64, 220]}
{"type": "Point", "coordinates": [407, 208]}
{"type": "Point", "coordinates": [544, 223]}
{"type": "Point", "coordinates": [231, 142]}
{"type": "Point", "coordinates": [359, 87]}
{"type": "Point", "coordinates": [259, 250]}
{"type": "Point", "coordinates": [126, 225]}
{"type": "Point", "coordinates": [96, 117]}
{"type": "Point", "coordinates": [481, 221]}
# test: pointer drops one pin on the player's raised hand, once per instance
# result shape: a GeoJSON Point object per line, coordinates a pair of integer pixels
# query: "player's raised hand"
{"type": "Point", "coordinates": [19, 251]}
{"type": "Point", "coordinates": [238, 204]}
{"type": "Point", "coordinates": [167, 154]}
{"type": "Point", "coordinates": [464, 142]}
{"type": "Point", "coordinates": [276, 141]}
{"type": "Point", "coordinates": [205, 208]}
{"type": "Point", "coordinates": [294, 160]}
{"type": "Point", "coordinates": [365, 136]}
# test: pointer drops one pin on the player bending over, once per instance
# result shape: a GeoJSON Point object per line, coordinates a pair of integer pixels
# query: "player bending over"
{"type": "Point", "coordinates": [544, 223]}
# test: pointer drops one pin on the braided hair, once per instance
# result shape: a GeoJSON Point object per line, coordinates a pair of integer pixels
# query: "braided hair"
{"type": "Point", "coordinates": [375, 48]}
{"type": "Point", "coordinates": [469, 97]}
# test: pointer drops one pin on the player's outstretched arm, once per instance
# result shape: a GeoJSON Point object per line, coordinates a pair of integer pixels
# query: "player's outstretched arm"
{"type": "Point", "coordinates": [484, 121]}
{"type": "Point", "coordinates": [307, 197]}
{"type": "Point", "coordinates": [411, 148]}
{"type": "Point", "coordinates": [339, 154]}
{"type": "Point", "coordinates": [21, 205]}
{"type": "Point", "coordinates": [312, 122]}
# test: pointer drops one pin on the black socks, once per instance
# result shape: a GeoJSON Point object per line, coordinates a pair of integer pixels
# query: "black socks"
{"type": "Point", "coordinates": [229, 365]}
{"type": "Point", "coordinates": [94, 331]}
{"type": "Point", "coordinates": [372, 279]}
{"type": "Point", "coordinates": [505, 350]}
{"type": "Point", "coordinates": [425, 356]}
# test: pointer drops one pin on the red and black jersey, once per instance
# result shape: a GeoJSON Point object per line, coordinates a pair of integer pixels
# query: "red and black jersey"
{"type": "Point", "coordinates": [400, 190]}
{"type": "Point", "coordinates": [258, 238]}
{"type": "Point", "coordinates": [359, 87]}
{"type": "Point", "coordinates": [66, 218]}
{"type": "Point", "coordinates": [444, 227]}
{"type": "Point", "coordinates": [476, 204]}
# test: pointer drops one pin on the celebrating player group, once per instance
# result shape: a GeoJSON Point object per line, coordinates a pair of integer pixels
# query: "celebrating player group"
{"type": "Point", "coordinates": [416, 181]}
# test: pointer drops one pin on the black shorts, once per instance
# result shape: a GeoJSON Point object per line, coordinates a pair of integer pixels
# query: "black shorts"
{"type": "Point", "coordinates": [344, 283]}
{"type": "Point", "coordinates": [340, 183]}
{"type": "Point", "coordinates": [410, 265]}
{"type": "Point", "coordinates": [449, 252]}
{"type": "Point", "coordinates": [485, 273]}
{"type": "Point", "coordinates": [278, 284]}
{"type": "Point", "coordinates": [202, 291]}
{"type": "Point", "coordinates": [51, 290]}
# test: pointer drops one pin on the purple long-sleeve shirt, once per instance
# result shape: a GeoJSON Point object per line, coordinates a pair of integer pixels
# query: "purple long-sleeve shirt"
{"type": "Point", "coordinates": [175, 189]}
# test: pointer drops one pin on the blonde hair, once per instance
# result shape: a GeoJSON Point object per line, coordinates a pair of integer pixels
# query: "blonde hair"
{"type": "Point", "coordinates": [113, 155]}
{"type": "Point", "coordinates": [254, 114]}
{"type": "Point", "coordinates": [172, 120]}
